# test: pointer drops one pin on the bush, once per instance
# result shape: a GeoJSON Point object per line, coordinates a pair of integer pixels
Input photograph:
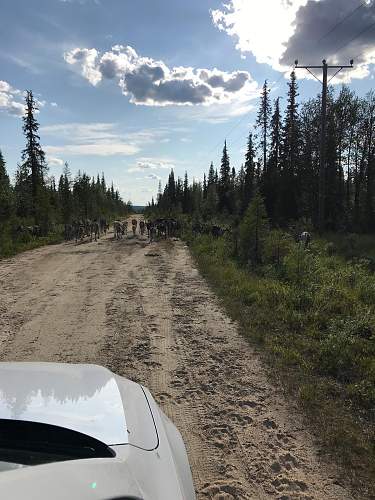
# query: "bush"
{"type": "Point", "coordinates": [347, 347]}
{"type": "Point", "coordinates": [252, 232]}
{"type": "Point", "coordinates": [299, 265]}
{"type": "Point", "coordinates": [277, 244]}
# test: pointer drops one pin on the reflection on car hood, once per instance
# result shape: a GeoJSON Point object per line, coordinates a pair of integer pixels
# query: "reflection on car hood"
{"type": "Point", "coordinates": [84, 398]}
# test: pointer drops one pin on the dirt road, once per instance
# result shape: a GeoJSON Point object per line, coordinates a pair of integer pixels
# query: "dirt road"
{"type": "Point", "coordinates": [146, 313]}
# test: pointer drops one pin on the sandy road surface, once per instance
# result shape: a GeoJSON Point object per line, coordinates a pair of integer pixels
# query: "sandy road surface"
{"type": "Point", "coordinates": [145, 312]}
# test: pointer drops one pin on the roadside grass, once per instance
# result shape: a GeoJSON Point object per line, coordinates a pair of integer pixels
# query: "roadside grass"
{"type": "Point", "coordinates": [9, 247]}
{"type": "Point", "coordinates": [353, 246]}
{"type": "Point", "coordinates": [313, 317]}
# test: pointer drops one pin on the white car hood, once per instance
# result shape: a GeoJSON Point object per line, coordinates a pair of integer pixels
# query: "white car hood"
{"type": "Point", "coordinates": [94, 479]}
{"type": "Point", "coordinates": [86, 398]}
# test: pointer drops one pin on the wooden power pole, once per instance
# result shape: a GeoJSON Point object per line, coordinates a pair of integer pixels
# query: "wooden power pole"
{"type": "Point", "coordinates": [322, 163]}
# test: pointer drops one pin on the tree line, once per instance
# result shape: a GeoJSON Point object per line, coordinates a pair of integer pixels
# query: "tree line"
{"type": "Point", "coordinates": [35, 199]}
{"type": "Point", "coordinates": [281, 164]}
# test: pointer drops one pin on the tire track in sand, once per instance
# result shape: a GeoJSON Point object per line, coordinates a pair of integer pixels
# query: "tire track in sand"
{"type": "Point", "coordinates": [244, 439]}
{"type": "Point", "coordinates": [146, 313]}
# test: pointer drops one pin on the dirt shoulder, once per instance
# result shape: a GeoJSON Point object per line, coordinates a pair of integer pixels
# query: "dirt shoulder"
{"type": "Point", "coordinates": [145, 312]}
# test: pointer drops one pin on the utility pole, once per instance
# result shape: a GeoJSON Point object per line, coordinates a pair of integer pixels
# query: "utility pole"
{"type": "Point", "coordinates": [322, 163]}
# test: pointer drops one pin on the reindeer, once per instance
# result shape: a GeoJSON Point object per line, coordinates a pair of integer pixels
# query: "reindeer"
{"type": "Point", "coordinates": [95, 229]}
{"type": "Point", "coordinates": [103, 225]}
{"type": "Point", "coordinates": [305, 239]}
{"type": "Point", "coordinates": [117, 229]}
{"type": "Point", "coordinates": [134, 226]}
{"type": "Point", "coordinates": [79, 231]}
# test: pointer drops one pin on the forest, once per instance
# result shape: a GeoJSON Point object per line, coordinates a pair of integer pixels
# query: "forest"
{"type": "Point", "coordinates": [320, 338]}
{"type": "Point", "coordinates": [282, 165]}
{"type": "Point", "coordinates": [35, 208]}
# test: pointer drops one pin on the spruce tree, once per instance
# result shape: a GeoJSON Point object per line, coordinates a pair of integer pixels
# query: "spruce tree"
{"type": "Point", "coordinates": [225, 182]}
{"type": "Point", "coordinates": [270, 177]}
{"type": "Point", "coordinates": [5, 192]}
{"type": "Point", "coordinates": [212, 195]}
{"type": "Point", "coordinates": [171, 190]}
{"type": "Point", "coordinates": [22, 190]}
{"type": "Point", "coordinates": [290, 149]}
{"type": "Point", "coordinates": [204, 186]}
{"type": "Point", "coordinates": [249, 179]}
{"type": "Point", "coordinates": [65, 195]}
{"type": "Point", "coordinates": [211, 175]}
{"type": "Point", "coordinates": [253, 230]}
{"type": "Point", "coordinates": [370, 160]}
{"type": "Point", "coordinates": [263, 120]}
{"type": "Point", "coordinates": [33, 156]}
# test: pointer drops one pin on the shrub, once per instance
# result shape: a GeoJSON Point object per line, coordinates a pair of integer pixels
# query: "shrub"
{"type": "Point", "coordinates": [277, 244]}
{"type": "Point", "coordinates": [252, 232]}
{"type": "Point", "coordinates": [299, 265]}
{"type": "Point", "coordinates": [344, 350]}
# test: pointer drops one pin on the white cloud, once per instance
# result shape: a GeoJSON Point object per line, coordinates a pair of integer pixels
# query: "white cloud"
{"type": "Point", "coordinates": [10, 100]}
{"type": "Point", "coordinates": [302, 29]}
{"type": "Point", "coordinates": [261, 28]}
{"type": "Point", "coordinates": [349, 39]}
{"type": "Point", "coordinates": [54, 104]}
{"type": "Point", "coordinates": [102, 149]}
{"type": "Point", "coordinates": [51, 160]}
{"type": "Point", "coordinates": [81, 131]}
{"type": "Point", "coordinates": [152, 83]}
{"type": "Point", "coordinates": [221, 113]}
{"type": "Point", "coordinates": [153, 177]}
{"type": "Point", "coordinates": [88, 60]}
{"type": "Point", "coordinates": [146, 164]}
{"type": "Point", "coordinates": [101, 139]}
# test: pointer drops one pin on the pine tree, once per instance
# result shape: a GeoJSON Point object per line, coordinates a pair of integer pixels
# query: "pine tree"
{"type": "Point", "coordinates": [253, 230]}
{"type": "Point", "coordinates": [263, 120]}
{"type": "Point", "coordinates": [22, 189]}
{"type": "Point", "coordinates": [370, 161]}
{"type": "Point", "coordinates": [204, 186]}
{"type": "Point", "coordinates": [290, 149]}
{"type": "Point", "coordinates": [5, 192]}
{"type": "Point", "coordinates": [225, 183]}
{"type": "Point", "coordinates": [271, 176]}
{"type": "Point", "coordinates": [171, 191]}
{"type": "Point", "coordinates": [186, 205]}
{"type": "Point", "coordinates": [240, 191]}
{"type": "Point", "coordinates": [308, 172]}
{"type": "Point", "coordinates": [160, 193]}
{"type": "Point", "coordinates": [249, 180]}
{"type": "Point", "coordinates": [65, 195]}
{"type": "Point", "coordinates": [212, 196]}
{"type": "Point", "coordinates": [211, 175]}
{"type": "Point", "coordinates": [33, 156]}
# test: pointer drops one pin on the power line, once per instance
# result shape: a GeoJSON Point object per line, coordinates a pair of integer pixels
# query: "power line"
{"type": "Point", "coordinates": [322, 162]}
{"type": "Point", "coordinates": [356, 36]}
{"type": "Point", "coordinates": [339, 23]}
{"type": "Point", "coordinates": [243, 117]}
{"type": "Point", "coordinates": [351, 13]}
{"type": "Point", "coordinates": [228, 133]}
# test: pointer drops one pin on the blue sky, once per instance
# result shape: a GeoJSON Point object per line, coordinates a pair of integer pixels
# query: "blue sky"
{"type": "Point", "coordinates": [134, 88]}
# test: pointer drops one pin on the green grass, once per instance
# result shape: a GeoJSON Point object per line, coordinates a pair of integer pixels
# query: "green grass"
{"type": "Point", "coordinates": [313, 315]}
{"type": "Point", "coordinates": [8, 247]}
{"type": "Point", "coordinates": [353, 246]}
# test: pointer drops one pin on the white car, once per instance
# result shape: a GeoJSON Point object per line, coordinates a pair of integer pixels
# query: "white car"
{"type": "Point", "coordinates": [77, 431]}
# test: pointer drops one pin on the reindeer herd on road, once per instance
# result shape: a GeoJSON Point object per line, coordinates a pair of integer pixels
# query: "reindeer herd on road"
{"type": "Point", "coordinates": [92, 230]}
{"type": "Point", "coordinates": [158, 228]}
{"type": "Point", "coordinates": [80, 229]}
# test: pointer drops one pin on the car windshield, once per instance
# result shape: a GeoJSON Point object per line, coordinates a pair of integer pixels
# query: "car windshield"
{"type": "Point", "coordinates": [32, 443]}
